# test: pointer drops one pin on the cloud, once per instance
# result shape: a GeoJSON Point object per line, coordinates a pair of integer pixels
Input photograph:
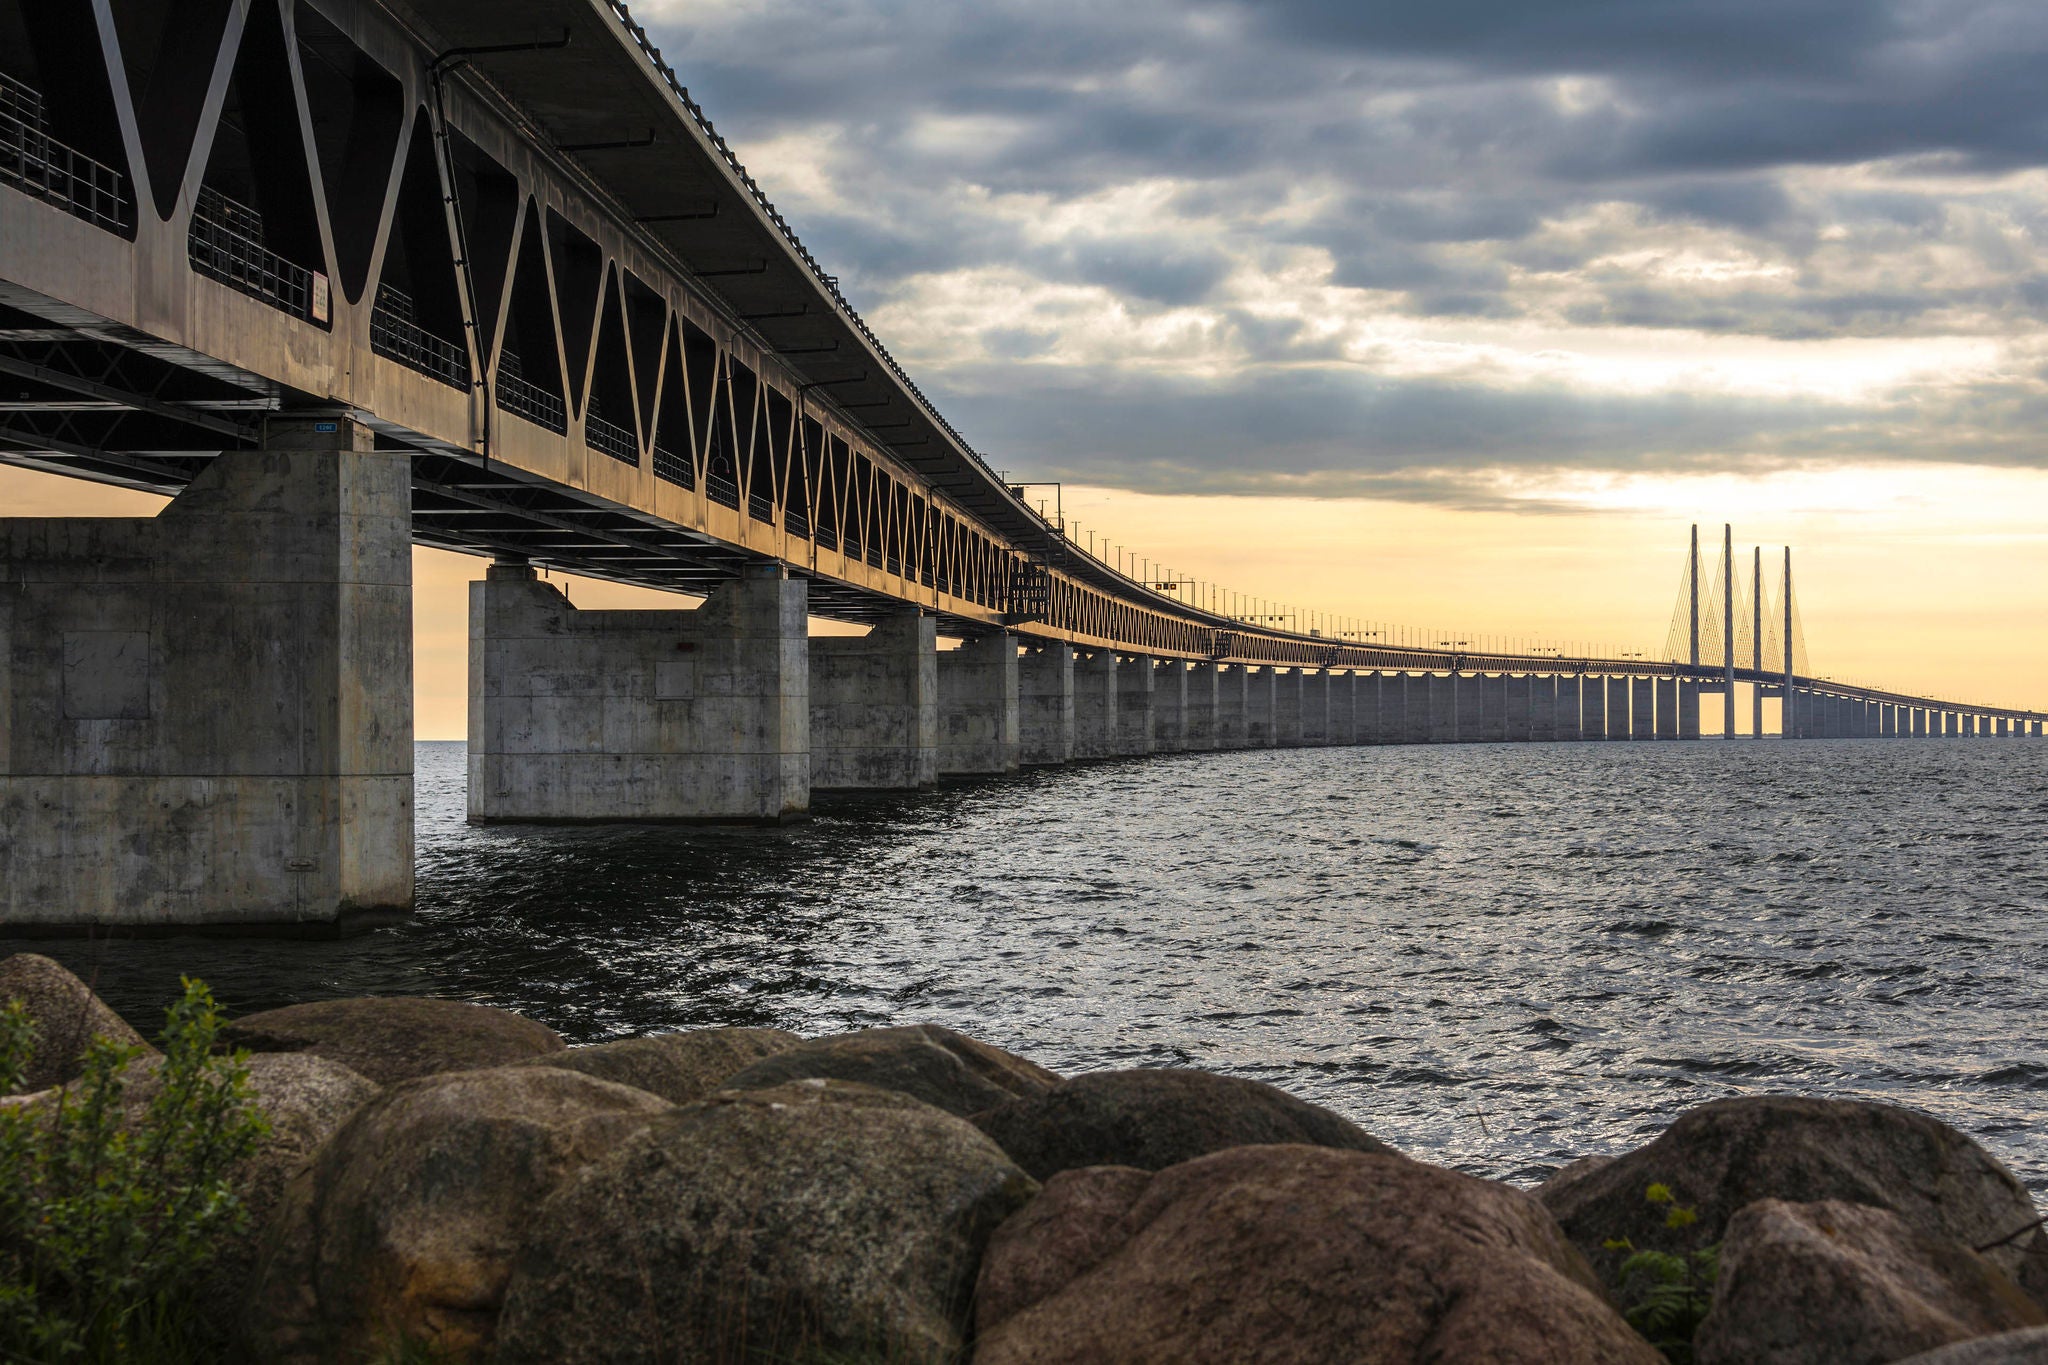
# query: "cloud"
{"type": "Point", "coordinates": [1310, 244]}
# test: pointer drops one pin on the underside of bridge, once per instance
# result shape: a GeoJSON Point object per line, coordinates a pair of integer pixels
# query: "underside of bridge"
{"type": "Point", "coordinates": [340, 276]}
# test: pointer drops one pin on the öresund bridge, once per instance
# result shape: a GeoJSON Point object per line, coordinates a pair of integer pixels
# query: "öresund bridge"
{"type": "Point", "coordinates": [346, 275]}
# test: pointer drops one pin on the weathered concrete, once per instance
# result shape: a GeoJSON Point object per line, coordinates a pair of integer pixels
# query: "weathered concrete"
{"type": "Point", "coordinates": [1441, 692]}
{"type": "Point", "coordinates": [1135, 679]}
{"type": "Point", "coordinates": [875, 707]}
{"type": "Point", "coordinates": [1518, 722]}
{"type": "Point", "coordinates": [1468, 716]}
{"type": "Point", "coordinates": [1233, 700]}
{"type": "Point", "coordinates": [585, 716]}
{"type": "Point", "coordinates": [1642, 708]}
{"type": "Point", "coordinates": [1345, 690]}
{"type": "Point", "coordinates": [1260, 704]}
{"type": "Point", "coordinates": [1368, 709]}
{"type": "Point", "coordinates": [206, 715]}
{"type": "Point", "coordinates": [1592, 707]}
{"type": "Point", "coordinates": [1666, 690]}
{"type": "Point", "coordinates": [1313, 715]}
{"type": "Point", "coordinates": [1493, 707]}
{"type": "Point", "coordinates": [1689, 709]}
{"type": "Point", "coordinates": [1571, 701]}
{"type": "Point", "coordinates": [1045, 688]}
{"type": "Point", "coordinates": [979, 726]}
{"type": "Point", "coordinates": [1287, 697]}
{"type": "Point", "coordinates": [1201, 707]}
{"type": "Point", "coordinates": [1169, 706]}
{"type": "Point", "coordinates": [1618, 708]}
{"type": "Point", "coordinates": [1543, 707]}
{"type": "Point", "coordinates": [1095, 699]}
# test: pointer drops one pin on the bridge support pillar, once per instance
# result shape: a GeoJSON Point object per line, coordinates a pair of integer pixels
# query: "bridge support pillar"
{"type": "Point", "coordinates": [1689, 709]}
{"type": "Point", "coordinates": [1136, 678]}
{"type": "Point", "coordinates": [1261, 705]}
{"type": "Point", "coordinates": [980, 728]}
{"type": "Point", "coordinates": [206, 715]}
{"type": "Point", "coordinates": [1344, 692]}
{"type": "Point", "coordinates": [1233, 700]}
{"type": "Point", "coordinates": [1520, 700]}
{"type": "Point", "coordinates": [1169, 706]}
{"type": "Point", "coordinates": [1442, 692]}
{"type": "Point", "coordinates": [1045, 698]}
{"type": "Point", "coordinates": [1570, 703]}
{"type": "Point", "coordinates": [591, 716]}
{"type": "Point", "coordinates": [1287, 690]}
{"type": "Point", "coordinates": [1617, 708]}
{"type": "Point", "coordinates": [875, 707]}
{"type": "Point", "coordinates": [1200, 714]}
{"type": "Point", "coordinates": [1592, 707]}
{"type": "Point", "coordinates": [1667, 708]}
{"type": "Point", "coordinates": [1313, 716]}
{"type": "Point", "coordinates": [1095, 699]}
{"type": "Point", "coordinates": [1493, 707]}
{"type": "Point", "coordinates": [1642, 708]}
{"type": "Point", "coordinates": [1543, 707]}
{"type": "Point", "coordinates": [1368, 714]}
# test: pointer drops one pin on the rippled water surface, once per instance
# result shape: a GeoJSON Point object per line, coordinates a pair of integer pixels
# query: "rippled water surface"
{"type": "Point", "coordinates": [1498, 957]}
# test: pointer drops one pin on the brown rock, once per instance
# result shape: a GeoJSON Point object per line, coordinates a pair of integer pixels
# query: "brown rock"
{"type": "Point", "coordinates": [1724, 1155]}
{"type": "Point", "coordinates": [1832, 1283]}
{"type": "Point", "coordinates": [1152, 1119]}
{"type": "Point", "coordinates": [406, 1222]}
{"type": "Point", "coordinates": [395, 1038]}
{"type": "Point", "coordinates": [818, 1220]}
{"type": "Point", "coordinates": [2028, 1346]}
{"type": "Point", "coordinates": [679, 1067]}
{"type": "Point", "coordinates": [1291, 1255]}
{"type": "Point", "coordinates": [931, 1063]}
{"type": "Point", "coordinates": [67, 1016]}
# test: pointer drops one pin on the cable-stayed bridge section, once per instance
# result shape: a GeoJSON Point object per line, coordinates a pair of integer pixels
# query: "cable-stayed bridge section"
{"type": "Point", "coordinates": [339, 276]}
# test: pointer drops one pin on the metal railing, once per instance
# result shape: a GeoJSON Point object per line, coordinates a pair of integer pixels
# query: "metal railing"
{"type": "Point", "coordinates": [227, 245]}
{"type": "Point", "coordinates": [721, 487]}
{"type": "Point", "coordinates": [37, 164]}
{"type": "Point", "coordinates": [761, 507]}
{"type": "Point", "coordinates": [395, 335]}
{"type": "Point", "coordinates": [608, 437]}
{"type": "Point", "coordinates": [514, 393]}
{"type": "Point", "coordinates": [670, 467]}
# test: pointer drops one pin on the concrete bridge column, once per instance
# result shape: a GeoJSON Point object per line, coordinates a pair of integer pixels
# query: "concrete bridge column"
{"type": "Point", "coordinates": [1468, 709]}
{"type": "Point", "coordinates": [1592, 707]}
{"type": "Point", "coordinates": [1689, 709]}
{"type": "Point", "coordinates": [1045, 703]}
{"type": "Point", "coordinates": [1642, 708]}
{"type": "Point", "coordinates": [1261, 706]}
{"type": "Point", "coordinates": [1667, 708]}
{"type": "Point", "coordinates": [1368, 714]}
{"type": "Point", "coordinates": [1543, 707]}
{"type": "Point", "coordinates": [1442, 693]}
{"type": "Point", "coordinates": [1617, 708]}
{"type": "Point", "coordinates": [1918, 715]}
{"type": "Point", "coordinates": [1169, 706]}
{"type": "Point", "coordinates": [1315, 707]}
{"type": "Point", "coordinates": [1200, 729]}
{"type": "Point", "coordinates": [1950, 726]}
{"type": "Point", "coordinates": [1345, 690]}
{"type": "Point", "coordinates": [592, 716]}
{"type": "Point", "coordinates": [1288, 686]}
{"type": "Point", "coordinates": [206, 715]}
{"type": "Point", "coordinates": [1135, 678]}
{"type": "Point", "coordinates": [1493, 707]}
{"type": "Point", "coordinates": [980, 711]}
{"type": "Point", "coordinates": [1565, 702]}
{"type": "Point", "coordinates": [1233, 700]}
{"type": "Point", "coordinates": [875, 707]}
{"type": "Point", "coordinates": [1518, 698]}
{"type": "Point", "coordinates": [1095, 698]}
{"type": "Point", "coordinates": [1887, 719]}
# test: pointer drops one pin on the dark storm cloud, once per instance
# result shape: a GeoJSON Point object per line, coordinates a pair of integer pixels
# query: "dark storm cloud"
{"type": "Point", "coordinates": [1806, 167]}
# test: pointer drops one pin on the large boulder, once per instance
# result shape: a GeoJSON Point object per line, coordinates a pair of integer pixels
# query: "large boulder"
{"type": "Point", "coordinates": [926, 1061]}
{"type": "Point", "coordinates": [395, 1038]}
{"type": "Point", "coordinates": [1831, 1283]}
{"type": "Point", "coordinates": [1152, 1119]}
{"type": "Point", "coordinates": [404, 1226]}
{"type": "Point", "coordinates": [1291, 1255]}
{"type": "Point", "coordinates": [818, 1220]}
{"type": "Point", "coordinates": [679, 1067]}
{"type": "Point", "coordinates": [66, 1015]}
{"type": "Point", "coordinates": [1724, 1155]}
{"type": "Point", "coordinates": [2029, 1346]}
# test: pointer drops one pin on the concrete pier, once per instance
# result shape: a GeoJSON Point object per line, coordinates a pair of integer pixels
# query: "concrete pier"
{"type": "Point", "coordinates": [875, 708]}
{"type": "Point", "coordinates": [1543, 707]}
{"type": "Point", "coordinates": [1418, 701]}
{"type": "Point", "coordinates": [1642, 708]}
{"type": "Point", "coordinates": [980, 712]}
{"type": "Point", "coordinates": [1045, 697]}
{"type": "Point", "coordinates": [1667, 708]}
{"type": "Point", "coordinates": [1493, 707]}
{"type": "Point", "coordinates": [1592, 708]}
{"type": "Point", "coordinates": [1570, 700]}
{"type": "Point", "coordinates": [1200, 729]}
{"type": "Point", "coordinates": [1095, 699]}
{"type": "Point", "coordinates": [590, 716]}
{"type": "Point", "coordinates": [1288, 687]}
{"type": "Point", "coordinates": [1441, 690]}
{"type": "Point", "coordinates": [1345, 689]}
{"type": "Point", "coordinates": [206, 715]}
{"type": "Point", "coordinates": [1233, 700]}
{"type": "Point", "coordinates": [1135, 679]}
{"type": "Point", "coordinates": [1689, 709]}
{"type": "Point", "coordinates": [1520, 720]}
{"type": "Point", "coordinates": [1169, 706]}
{"type": "Point", "coordinates": [1368, 709]}
{"type": "Point", "coordinates": [1261, 701]}
{"type": "Point", "coordinates": [1619, 711]}
{"type": "Point", "coordinates": [1313, 716]}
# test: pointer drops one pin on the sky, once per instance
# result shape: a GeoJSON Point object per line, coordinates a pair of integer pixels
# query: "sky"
{"type": "Point", "coordinates": [1454, 315]}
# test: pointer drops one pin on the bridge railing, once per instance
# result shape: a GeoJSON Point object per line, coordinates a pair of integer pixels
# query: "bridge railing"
{"type": "Point", "coordinates": [396, 335]}
{"type": "Point", "coordinates": [227, 245]}
{"type": "Point", "coordinates": [33, 161]}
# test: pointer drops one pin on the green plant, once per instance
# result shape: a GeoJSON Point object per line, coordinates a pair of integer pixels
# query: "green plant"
{"type": "Point", "coordinates": [1670, 1291]}
{"type": "Point", "coordinates": [112, 1209]}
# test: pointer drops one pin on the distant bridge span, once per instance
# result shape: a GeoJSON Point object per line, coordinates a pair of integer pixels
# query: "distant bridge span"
{"type": "Point", "coordinates": [337, 274]}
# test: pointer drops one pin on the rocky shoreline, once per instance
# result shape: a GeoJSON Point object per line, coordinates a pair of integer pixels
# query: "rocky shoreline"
{"type": "Point", "coordinates": [451, 1179]}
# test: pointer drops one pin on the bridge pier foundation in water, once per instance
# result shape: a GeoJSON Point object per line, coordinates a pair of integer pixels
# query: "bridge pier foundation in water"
{"type": "Point", "coordinates": [1045, 688]}
{"type": "Point", "coordinates": [875, 707]}
{"type": "Point", "coordinates": [1169, 706]}
{"type": "Point", "coordinates": [206, 715]}
{"type": "Point", "coordinates": [1135, 681]}
{"type": "Point", "coordinates": [1095, 701]}
{"type": "Point", "coordinates": [980, 720]}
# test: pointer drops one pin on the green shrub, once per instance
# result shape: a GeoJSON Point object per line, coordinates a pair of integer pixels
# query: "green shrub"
{"type": "Point", "coordinates": [110, 1213]}
{"type": "Point", "coordinates": [1670, 1291]}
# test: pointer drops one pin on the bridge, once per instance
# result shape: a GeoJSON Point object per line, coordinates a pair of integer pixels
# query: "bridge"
{"type": "Point", "coordinates": [340, 276]}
